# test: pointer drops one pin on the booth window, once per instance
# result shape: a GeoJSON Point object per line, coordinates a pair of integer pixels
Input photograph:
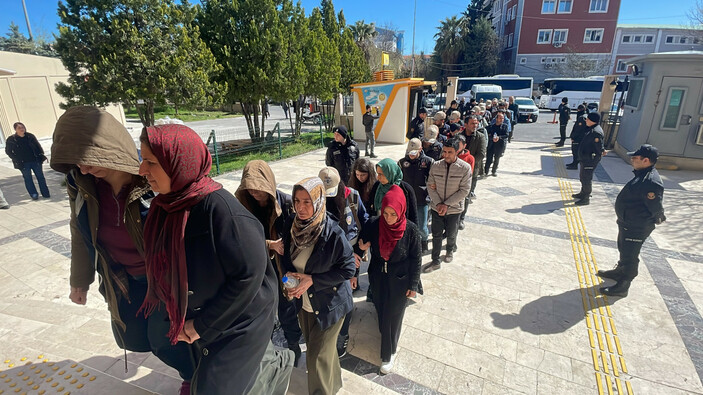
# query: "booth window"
{"type": "Point", "coordinates": [674, 102]}
{"type": "Point", "coordinates": [634, 92]}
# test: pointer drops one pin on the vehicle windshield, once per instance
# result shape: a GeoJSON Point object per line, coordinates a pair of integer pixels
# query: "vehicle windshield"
{"type": "Point", "coordinates": [525, 102]}
{"type": "Point", "coordinates": [438, 100]}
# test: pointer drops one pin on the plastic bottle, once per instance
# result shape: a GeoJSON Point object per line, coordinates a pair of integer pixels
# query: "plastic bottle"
{"type": "Point", "coordinates": [290, 282]}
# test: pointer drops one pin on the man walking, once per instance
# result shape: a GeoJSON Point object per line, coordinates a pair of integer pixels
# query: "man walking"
{"type": "Point", "coordinates": [639, 209]}
{"type": "Point", "coordinates": [417, 125]}
{"type": "Point", "coordinates": [577, 133]}
{"type": "Point", "coordinates": [416, 168]}
{"type": "Point", "coordinates": [564, 116]}
{"type": "Point", "coordinates": [342, 152]}
{"type": "Point", "coordinates": [448, 184]}
{"type": "Point", "coordinates": [590, 152]}
{"type": "Point", "coordinates": [367, 120]}
{"type": "Point", "coordinates": [497, 136]}
{"type": "Point", "coordinates": [513, 107]}
{"type": "Point", "coordinates": [476, 144]}
{"type": "Point", "coordinates": [439, 120]}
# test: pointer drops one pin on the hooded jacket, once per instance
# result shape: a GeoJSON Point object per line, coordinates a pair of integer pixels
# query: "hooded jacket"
{"type": "Point", "coordinates": [90, 136]}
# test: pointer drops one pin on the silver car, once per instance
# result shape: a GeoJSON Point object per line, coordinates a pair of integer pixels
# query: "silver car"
{"type": "Point", "coordinates": [527, 110]}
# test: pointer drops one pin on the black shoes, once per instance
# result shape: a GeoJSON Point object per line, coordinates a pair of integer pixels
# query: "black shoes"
{"type": "Point", "coordinates": [560, 144]}
{"type": "Point", "coordinates": [373, 156]}
{"type": "Point", "coordinates": [572, 166]}
{"type": "Point", "coordinates": [494, 174]}
{"type": "Point", "coordinates": [578, 195]}
{"type": "Point", "coordinates": [425, 248]}
{"type": "Point", "coordinates": [342, 343]}
{"type": "Point", "coordinates": [613, 274]}
{"type": "Point", "coordinates": [461, 225]}
{"type": "Point", "coordinates": [430, 267]}
{"type": "Point", "coordinates": [449, 257]}
{"type": "Point", "coordinates": [619, 289]}
{"type": "Point", "coordinates": [472, 195]}
{"type": "Point", "coordinates": [583, 202]}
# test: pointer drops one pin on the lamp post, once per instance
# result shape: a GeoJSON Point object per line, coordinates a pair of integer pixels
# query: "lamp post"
{"type": "Point", "coordinates": [26, 18]}
{"type": "Point", "coordinates": [412, 68]}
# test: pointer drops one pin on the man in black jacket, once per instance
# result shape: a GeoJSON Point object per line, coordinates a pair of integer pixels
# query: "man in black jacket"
{"type": "Point", "coordinates": [367, 120]}
{"type": "Point", "coordinates": [417, 125]}
{"type": "Point", "coordinates": [342, 152]}
{"type": "Point", "coordinates": [564, 116]}
{"type": "Point", "coordinates": [430, 144]}
{"type": "Point", "coordinates": [27, 156]}
{"type": "Point", "coordinates": [590, 152]}
{"type": "Point", "coordinates": [497, 137]}
{"type": "Point", "coordinates": [416, 168]}
{"type": "Point", "coordinates": [639, 209]}
{"type": "Point", "coordinates": [577, 133]}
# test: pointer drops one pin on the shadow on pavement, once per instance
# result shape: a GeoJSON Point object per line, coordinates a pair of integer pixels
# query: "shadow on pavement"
{"type": "Point", "coordinates": [538, 208]}
{"type": "Point", "coordinates": [549, 314]}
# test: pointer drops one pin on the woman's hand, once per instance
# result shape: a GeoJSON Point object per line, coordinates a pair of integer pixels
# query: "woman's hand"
{"type": "Point", "coordinates": [354, 282]}
{"type": "Point", "coordinates": [78, 295]}
{"type": "Point", "coordinates": [364, 246]}
{"type": "Point", "coordinates": [188, 334]}
{"type": "Point", "coordinates": [305, 282]}
{"type": "Point", "coordinates": [276, 245]}
{"type": "Point", "coordinates": [357, 260]}
{"type": "Point", "coordinates": [410, 293]}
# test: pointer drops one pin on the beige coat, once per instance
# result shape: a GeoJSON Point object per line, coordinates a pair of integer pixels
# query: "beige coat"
{"type": "Point", "coordinates": [452, 184]}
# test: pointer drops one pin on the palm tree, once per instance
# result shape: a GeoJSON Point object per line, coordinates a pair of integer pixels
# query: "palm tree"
{"type": "Point", "coordinates": [363, 31]}
{"type": "Point", "coordinates": [450, 40]}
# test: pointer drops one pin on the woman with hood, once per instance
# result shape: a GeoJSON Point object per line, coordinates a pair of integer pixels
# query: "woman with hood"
{"type": "Point", "coordinates": [318, 255]}
{"type": "Point", "coordinates": [389, 173]}
{"type": "Point", "coordinates": [109, 203]}
{"type": "Point", "coordinates": [257, 192]}
{"type": "Point", "coordinates": [394, 271]}
{"type": "Point", "coordinates": [207, 262]}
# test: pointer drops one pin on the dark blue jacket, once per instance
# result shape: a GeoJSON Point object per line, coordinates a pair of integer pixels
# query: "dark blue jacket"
{"type": "Point", "coordinates": [639, 203]}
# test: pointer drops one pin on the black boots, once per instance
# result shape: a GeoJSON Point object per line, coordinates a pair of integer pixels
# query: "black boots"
{"type": "Point", "coordinates": [572, 166]}
{"type": "Point", "coordinates": [613, 274]}
{"type": "Point", "coordinates": [425, 248]}
{"type": "Point", "coordinates": [619, 289]}
{"type": "Point", "coordinates": [583, 202]}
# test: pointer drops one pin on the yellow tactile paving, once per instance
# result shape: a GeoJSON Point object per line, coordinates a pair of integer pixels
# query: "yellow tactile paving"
{"type": "Point", "coordinates": [28, 376]}
{"type": "Point", "coordinates": [608, 361]}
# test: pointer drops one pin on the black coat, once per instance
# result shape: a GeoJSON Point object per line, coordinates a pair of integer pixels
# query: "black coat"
{"type": "Point", "coordinates": [416, 129]}
{"type": "Point", "coordinates": [232, 294]}
{"type": "Point", "coordinates": [331, 265]}
{"type": "Point", "coordinates": [415, 173]}
{"type": "Point", "coordinates": [564, 113]}
{"type": "Point", "coordinates": [433, 150]}
{"type": "Point", "coordinates": [591, 147]}
{"type": "Point", "coordinates": [579, 130]}
{"type": "Point", "coordinates": [639, 203]}
{"type": "Point", "coordinates": [410, 200]}
{"type": "Point", "coordinates": [12, 149]}
{"type": "Point", "coordinates": [342, 157]}
{"type": "Point", "coordinates": [403, 267]}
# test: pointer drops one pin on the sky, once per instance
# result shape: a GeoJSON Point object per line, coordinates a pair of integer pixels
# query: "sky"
{"type": "Point", "coordinates": [395, 13]}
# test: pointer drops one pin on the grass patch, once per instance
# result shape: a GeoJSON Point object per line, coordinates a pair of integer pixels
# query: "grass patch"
{"type": "Point", "coordinates": [183, 115]}
{"type": "Point", "coordinates": [306, 143]}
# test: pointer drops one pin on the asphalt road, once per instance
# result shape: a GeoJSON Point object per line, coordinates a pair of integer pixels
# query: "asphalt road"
{"type": "Point", "coordinates": [541, 131]}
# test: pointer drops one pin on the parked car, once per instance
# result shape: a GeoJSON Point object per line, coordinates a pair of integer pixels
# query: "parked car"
{"type": "Point", "coordinates": [429, 100]}
{"type": "Point", "coordinates": [527, 110]}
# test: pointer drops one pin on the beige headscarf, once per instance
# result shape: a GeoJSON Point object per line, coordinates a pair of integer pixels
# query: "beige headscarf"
{"type": "Point", "coordinates": [306, 232]}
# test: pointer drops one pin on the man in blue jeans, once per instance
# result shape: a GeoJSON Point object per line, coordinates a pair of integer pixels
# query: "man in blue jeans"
{"type": "Point", "coordinates": [27, 156]}
{"type": "Point", "coordinates": [416, 168]}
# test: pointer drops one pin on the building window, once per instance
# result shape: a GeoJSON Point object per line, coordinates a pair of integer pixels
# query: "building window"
{"type": "Point", "coordinates": [648, 38]}
{"type": "Point", "coordinates": [622, 67]}
{"type": "Point", "coordinates": [548, 6]}
{"type": "Point", "coordinates": [544, 60]}
{"type": "Point", "coordinates": [515, 11]}
{"type": "Point", "coordinates": [510, 40]}
{"type": "Point", "coordinates": [598, 6]}
{"type": "Point", "coordinates": [544, 36]}
{"type": "Point", "coordinates": [674, 103]}
{"type": "Point", "coordinates": [560, 36]}
{"type": "Point", "coordinates": [593, 36]}
{"type": "Point", "coordinates": [564, 7]}
{"type": "Point", "coordinates": [683, 40]}
{"type": "Point", "coordinates": [669, 39]}
{"type": "Point", "coordinates": [637, 39]}
{"type": "Point", "coordinates": [563, 60]}
{"type": "Point", "coordinates": [626, 39]}
{"type": "Point", "coordinates": [524, 60]}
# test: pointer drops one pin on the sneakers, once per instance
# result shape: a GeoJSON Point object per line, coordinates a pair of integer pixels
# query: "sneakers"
{"type": "Point", "coordinates": [35, 197]}
{"type": "Point", "coordinates": [449, 257]}
{"type": "Point", "coordinates": [430, 267]}
{"type": "Point", "coordinates": [387, 366]}
{"type": "Point", "coordinates": [342, 343]}
{"type": "Point", "coordinates": [425, 248]}
{"type": "Point", "coordinates": [185, 388]}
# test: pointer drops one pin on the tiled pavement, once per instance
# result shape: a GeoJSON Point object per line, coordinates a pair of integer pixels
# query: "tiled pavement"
{"type": "Point", "coordinates": [507, 316]}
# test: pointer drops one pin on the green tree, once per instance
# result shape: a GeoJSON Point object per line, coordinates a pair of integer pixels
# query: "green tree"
{"type": "Point", "coordinates": [247, 40]}
{"type": "Point", "coordinates": [322, 59]}
{"type": "Point", "coordinates": [138, 52]}
{"type": "Point", "coordinates": [355, 69]}
{"type": "Point", "coordinates": [476, 10]}
{"type": "Point", "coordinates": [363, 34]}
{"type": "Point", "coordinates": [480, 53]}
{"type": "Point", "coordinates": [15, 41]}
{"type": "Point", "coordinates": [449, 45]}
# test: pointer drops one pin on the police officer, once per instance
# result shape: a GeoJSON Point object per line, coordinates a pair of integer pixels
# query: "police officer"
{"type": "Point", "coordinates": [417, 125]}
{"type": "Point", "coordinates": [638, 208]}
{"type": "Point", "coordinates": [577, 133]}
{"type": "Point", "coordinates": [590, 152]}
{"type": "Point", "coordinates": [416, 168]}
{"type": "Point", "coordinates": [342, 152]}
{"type": "Point", "coordinates": [564, 116]}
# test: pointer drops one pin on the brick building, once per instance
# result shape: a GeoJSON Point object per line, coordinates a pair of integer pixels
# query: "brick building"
{"type": "Point", "coordinates": [539, 36]}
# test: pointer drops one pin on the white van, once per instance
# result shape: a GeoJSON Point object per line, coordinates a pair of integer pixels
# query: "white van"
{"type": "Point", "coordinates": [486, 92]}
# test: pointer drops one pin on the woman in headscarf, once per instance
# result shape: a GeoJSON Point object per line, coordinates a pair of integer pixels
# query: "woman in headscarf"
{"type": "Point", "coordinates": [394, 271]}
{"type": "Point", "coordinates": [207, 262]}
{"type": "Point", "coordinates": [363, 178]}
{"type": "Point", "coordinates": [389, 173]}
{"type": "Point", "coordinates": [318, 255]}
{"type": "Point", "coordinates": [109, 202]}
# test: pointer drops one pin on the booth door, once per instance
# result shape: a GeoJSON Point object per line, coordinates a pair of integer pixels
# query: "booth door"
{"type": "Point", "coordinates": [677, 112]}
{"type": "Point", "coordinates": [414, 103]}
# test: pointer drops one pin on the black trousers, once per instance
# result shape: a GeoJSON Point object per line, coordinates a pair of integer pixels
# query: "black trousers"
{"type": "Point", "coordinates": [345, 326]}
{"type": "Point", "coordinates": [574, 153]}
{"type": "Point", "coordinates": [586, 177]}
{"type": "Point", "coordinates": [474, 175]}
{"type": "Point", "coordinates": [562, 132]}
{"type": "Point", "coordinates": [467, 200]}
{"type": "Point", "coordinates": [390, 307]}
{"type": "Point", "coordinates": [288, 317]}
{"type": "Point", "coordinates": [440, 223]}
{"type": "Point", "coordinates": [630, 242]}
{"type": "Point", "coordinates": [493, 153]}
{"type": "Point", "coordinates": [149, 334]}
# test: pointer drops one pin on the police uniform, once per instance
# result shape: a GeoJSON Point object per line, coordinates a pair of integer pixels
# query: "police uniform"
{"type": "Point", "coordinates": [639, 209]}
{"type": "Point", "coordinates": [341, 156]}
{"type": "Point", "coordinates": [416, 129]}
{"type": "Point", "coordinates": [577, 133]}
{"type": "Point", "coordinates": [564, 115]}
{"type": "Point", "coordinates": [589, 154]}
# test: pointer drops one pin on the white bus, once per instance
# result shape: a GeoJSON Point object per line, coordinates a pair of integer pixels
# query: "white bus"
{"type": "Point", "coordinates": [512, 85]}
{"type": "Point", "coordinates": [577, 90]}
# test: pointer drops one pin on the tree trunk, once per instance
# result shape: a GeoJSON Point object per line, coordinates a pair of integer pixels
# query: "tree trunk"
{"type": "Point", "coordinates": [257, 129]}
{"type": "Point", "coordinates": [263, 119]}
{"type": "Point", "coordinates": [246, 109]}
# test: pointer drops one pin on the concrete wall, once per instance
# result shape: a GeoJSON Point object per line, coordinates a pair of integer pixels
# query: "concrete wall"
{"type": "Point", "coordinates": [28, 95]}
{"type": "Point", "coordinates": [533, 66]}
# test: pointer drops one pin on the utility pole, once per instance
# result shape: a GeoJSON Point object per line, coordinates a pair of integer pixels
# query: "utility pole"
{"type": "Point", "coordinates": [412, 69]}
{"type": "Point", "coordinates": [26, 17]}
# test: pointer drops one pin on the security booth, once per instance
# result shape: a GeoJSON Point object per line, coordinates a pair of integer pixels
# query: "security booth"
{"type": "Point", "coordinates": [663, 106]}
{"type": "Point", "coordinates": [394, 102]}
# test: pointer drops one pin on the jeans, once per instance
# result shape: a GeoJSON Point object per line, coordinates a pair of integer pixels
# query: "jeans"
{"type": "Point", "coordinates": [440, 223]}
{"type": "Point", "coordinates": [630, 242]}
{"type": "Point", "coordinates": [467, 200]}
{"type": "Point", "coordinates": [422, 213]}
{"type": "Point", "coordinates": [370, 142]}
{"type": "Point", "coordinates": [35, 167]}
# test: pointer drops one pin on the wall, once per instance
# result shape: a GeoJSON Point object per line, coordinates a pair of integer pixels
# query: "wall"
{"type": "Point", "coordinates": [534, 67]}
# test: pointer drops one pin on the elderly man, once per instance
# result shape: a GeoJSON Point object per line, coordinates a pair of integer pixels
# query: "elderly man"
{"type": "Point", "coordinates": [497, 135]}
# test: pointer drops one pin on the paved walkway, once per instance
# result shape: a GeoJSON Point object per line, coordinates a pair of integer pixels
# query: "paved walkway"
{"type": "Point", "coordinates": [518, 310]}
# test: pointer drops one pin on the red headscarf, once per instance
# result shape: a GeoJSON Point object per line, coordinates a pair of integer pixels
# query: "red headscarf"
{"type": "Point", "coordinates": [388, 235]}
{"type": "Point", "coordinates": [186, 160]}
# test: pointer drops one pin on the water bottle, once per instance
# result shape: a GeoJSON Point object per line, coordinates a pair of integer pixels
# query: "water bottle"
{"type": "Point", "coordinates": [290, 282]}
